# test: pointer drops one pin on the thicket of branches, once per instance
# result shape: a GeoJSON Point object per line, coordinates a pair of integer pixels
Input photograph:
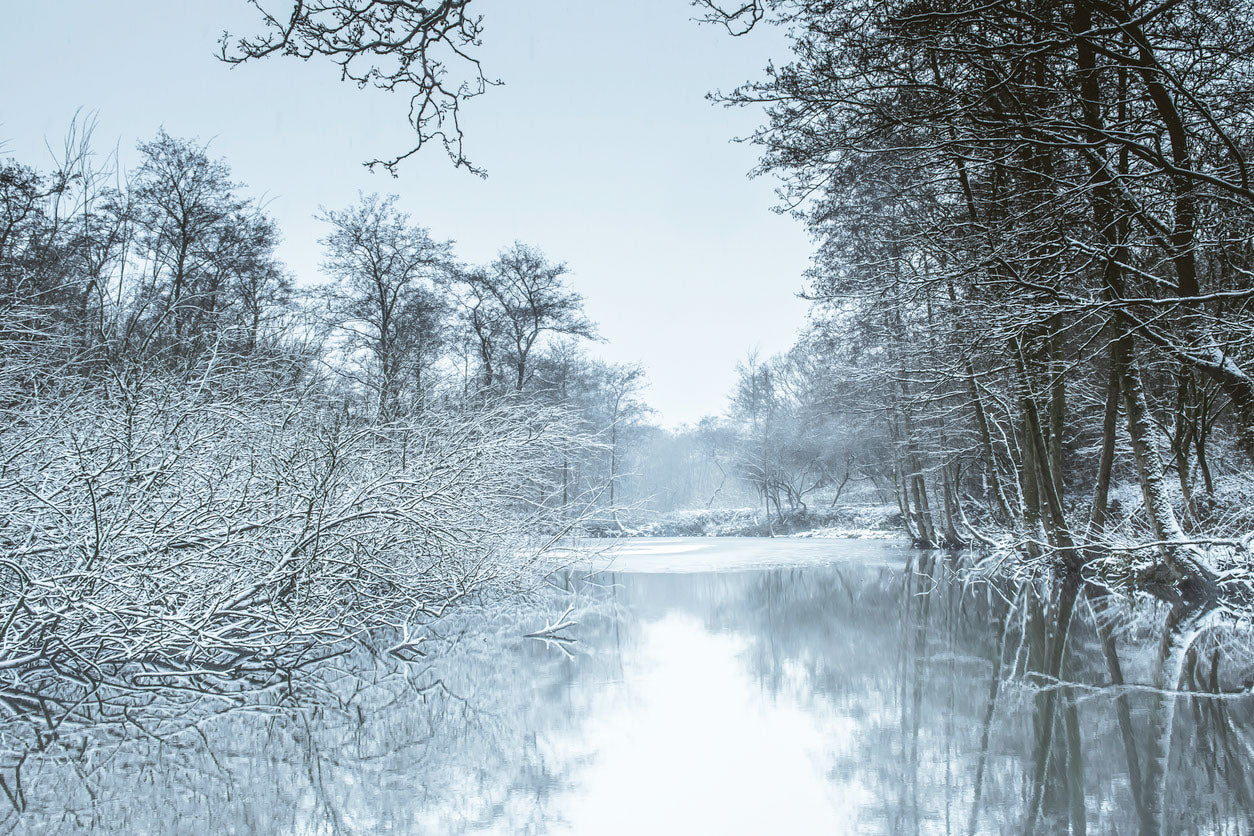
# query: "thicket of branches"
{"type": "Point", "coordinates": [1033, 217]}
{"type": "Point", "coordinates": [425, 50]}
{"type": "Point", "coordinates": [210, 479]}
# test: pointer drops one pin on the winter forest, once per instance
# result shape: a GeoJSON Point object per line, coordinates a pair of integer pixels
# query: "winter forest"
{"type": "Point", "coordinates": [394, 547]}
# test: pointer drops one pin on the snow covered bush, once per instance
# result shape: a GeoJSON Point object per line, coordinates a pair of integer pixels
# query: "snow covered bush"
{"type": "Point", "coordinates": [209, 543]}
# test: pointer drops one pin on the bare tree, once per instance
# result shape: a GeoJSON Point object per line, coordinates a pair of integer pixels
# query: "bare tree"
{"type": "Point", "coordinates": [514, 303]}
{"type": "Point", "coordinates": [190, 520]}
{"type": "Point", "coordinates": [182, 202]}
{"type": "Point", "coordinates": [386, 270]}
{"type": "Point", "coordinates": [624, 409]}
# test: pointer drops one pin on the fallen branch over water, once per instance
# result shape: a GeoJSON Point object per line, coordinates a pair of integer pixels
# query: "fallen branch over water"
{"type": "Point", "coordinates": [553, 629]}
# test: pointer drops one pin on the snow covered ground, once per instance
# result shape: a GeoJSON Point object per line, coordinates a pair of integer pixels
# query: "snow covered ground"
{"type": "Point", "coordinates": [853, 521]}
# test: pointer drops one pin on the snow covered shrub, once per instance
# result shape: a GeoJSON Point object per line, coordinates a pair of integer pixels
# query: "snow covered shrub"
{"type": "Point", "coordinates": [210, 542]}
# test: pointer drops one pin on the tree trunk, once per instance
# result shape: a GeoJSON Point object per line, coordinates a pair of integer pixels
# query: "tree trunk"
{"type": "Point", "coordinates": [1195, 582]}
{"type": "Point", "coordinates": [1057, 407]}
{"type": "Point", "coordinates": [995, 496]}
{"type": "Point", "coordinates": [1106, 462]}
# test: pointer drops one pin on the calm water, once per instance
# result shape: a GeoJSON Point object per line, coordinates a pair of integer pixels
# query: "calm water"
{"type": "Point", "coordinates": [721, 686]}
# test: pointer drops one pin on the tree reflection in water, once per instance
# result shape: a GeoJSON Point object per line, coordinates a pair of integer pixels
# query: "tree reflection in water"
{"type": "Point", "coordinates": [838, 686]}
{"type": "Point", "coordinates": [1030, 707]}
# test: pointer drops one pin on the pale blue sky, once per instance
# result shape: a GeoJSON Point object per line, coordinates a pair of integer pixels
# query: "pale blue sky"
{"type": "Point", "coordinates": [600, 148]}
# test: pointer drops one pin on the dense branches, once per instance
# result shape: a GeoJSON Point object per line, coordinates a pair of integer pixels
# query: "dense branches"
{"type": "Point", "coordinates": [210, 480]}
{"type": "Point", "coordinates": [195, 540]}
{"type": "Point", "coordinates": [392, 45]}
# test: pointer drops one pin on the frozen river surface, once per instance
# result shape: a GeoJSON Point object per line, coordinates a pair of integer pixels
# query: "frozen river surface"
{"type": "Point", "coordinates": [730, 686]}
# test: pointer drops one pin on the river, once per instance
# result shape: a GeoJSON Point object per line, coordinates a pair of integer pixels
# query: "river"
{"type": "Point", "coordinates": [722, 686]}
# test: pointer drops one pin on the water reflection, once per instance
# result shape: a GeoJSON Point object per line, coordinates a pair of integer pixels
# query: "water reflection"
{"type": "Point", "coordinates": [727, 686]}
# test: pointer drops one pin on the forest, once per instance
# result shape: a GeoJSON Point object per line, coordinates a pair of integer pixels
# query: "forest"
{"type": "Point", "coordinates": [1032, 277]}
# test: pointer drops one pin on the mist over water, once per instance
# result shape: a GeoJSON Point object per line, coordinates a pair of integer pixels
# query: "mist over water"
{"type": "Point", "coordinates": [715, 686]}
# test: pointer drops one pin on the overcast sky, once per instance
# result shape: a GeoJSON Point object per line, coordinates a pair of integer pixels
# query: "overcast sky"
{"type": "Point", "coordinates": [600, 148]}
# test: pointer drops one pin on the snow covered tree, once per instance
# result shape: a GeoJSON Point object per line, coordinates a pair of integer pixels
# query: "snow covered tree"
{"type": "Point", "coordinates": [513, 305]}
{"type": "Point", "coordinates": [387, 273]}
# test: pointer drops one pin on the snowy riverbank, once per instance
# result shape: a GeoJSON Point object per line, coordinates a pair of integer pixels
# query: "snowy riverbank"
{"type": "Point", "coordinates": [859, 521]}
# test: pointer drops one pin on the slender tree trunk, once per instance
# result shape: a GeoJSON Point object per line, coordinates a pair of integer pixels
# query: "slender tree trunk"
{"type": "Point", "coordinates": [1162, 517]}
{"type": "Point", "coordinates": [901, 491]}
{"type": "Point", "coordinates": [1202, 465]}
{"type": "Point", "coordinates": [953, 539]}
{"type": "Point", "coordinates": [1029, 486]}
{"type": "Point", "coordinates": [1057, 408]}
{"type": "Point", "coordinates": [995, 496]}
{"type": "Point", "coordinates": [1106, 461]}
{"type": "Point", "coordinates": [565, 482]}
{"type": "Point", "coordinates": [918, 488]}
{"type": "Point", "coordinates": [1181, 446]}
{"type": "Point", "coordinates": [613, 462]}
{"type": "Point", "coordinates": [1049, 509]}
{"type": "Point", "coordinates": [1195, 581]}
